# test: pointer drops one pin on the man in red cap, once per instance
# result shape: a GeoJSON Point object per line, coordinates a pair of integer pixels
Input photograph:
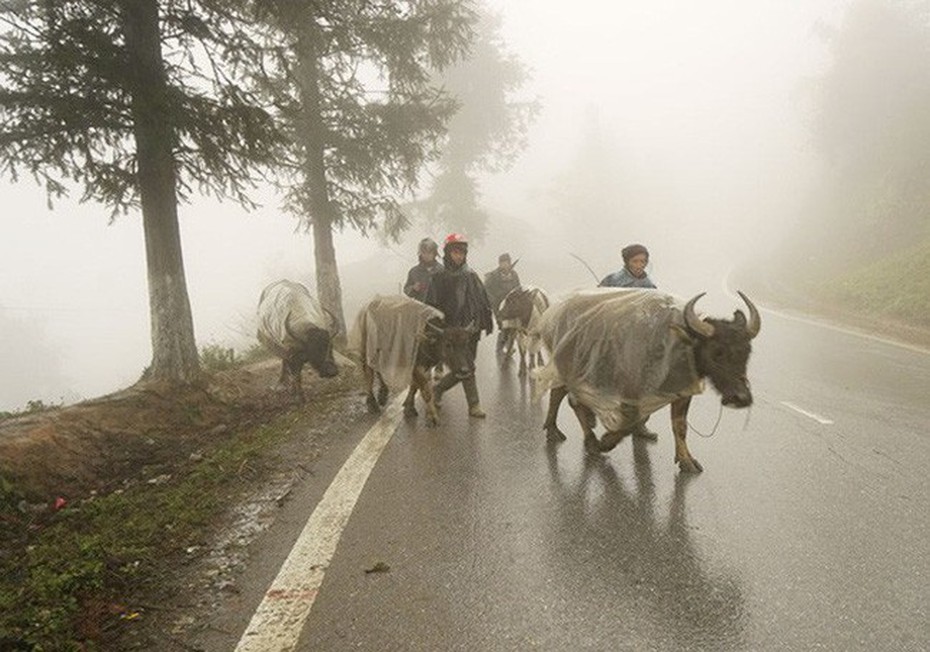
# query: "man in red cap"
{"type": "Point", "coordinates": [458, 292]}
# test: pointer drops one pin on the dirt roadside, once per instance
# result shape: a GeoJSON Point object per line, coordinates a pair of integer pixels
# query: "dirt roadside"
{"type": "Point", "coordinates": [150, 435]}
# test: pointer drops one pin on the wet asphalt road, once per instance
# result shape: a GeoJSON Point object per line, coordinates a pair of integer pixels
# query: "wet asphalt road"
{"type": "Point", "coordinates": [808, 529]}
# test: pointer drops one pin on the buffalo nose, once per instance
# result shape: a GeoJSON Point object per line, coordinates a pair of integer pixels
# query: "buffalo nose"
{"type": "Point", "coordinates": [738, 400]}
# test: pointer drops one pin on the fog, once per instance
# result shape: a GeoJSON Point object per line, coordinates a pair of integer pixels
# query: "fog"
{"type": "Point", "coordinates": [694, 114]}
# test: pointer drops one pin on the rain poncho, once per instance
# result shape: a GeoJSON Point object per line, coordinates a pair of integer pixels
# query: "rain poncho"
{"type": "Point", "coordinates": [621, 352]}
{"type": "Point", "coordinates": [387, 333]}
{"type": "Point", "coordinates": [288, 306]}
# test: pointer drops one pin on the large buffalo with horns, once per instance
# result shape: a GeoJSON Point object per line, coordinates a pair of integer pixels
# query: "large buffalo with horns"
{"type": "Point", "coordinates": [293, 326]}
{"type": "Point", "coordinates": [621, 354]}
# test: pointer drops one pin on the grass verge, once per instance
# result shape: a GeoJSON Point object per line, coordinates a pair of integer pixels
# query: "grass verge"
{"type": "Point", "coordinates": [898, 290]}
{"type": "Point", "coordinates": [68, 579]}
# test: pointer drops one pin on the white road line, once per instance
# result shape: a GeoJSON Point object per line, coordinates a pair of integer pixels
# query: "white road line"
{"type": "Point", "coordinates": [810, 415]}
{"type": "Point", "coordinates": [280, 617]}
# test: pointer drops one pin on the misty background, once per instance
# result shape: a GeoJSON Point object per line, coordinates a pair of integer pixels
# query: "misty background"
{"type": "Point", "coordinates": [703, 130]}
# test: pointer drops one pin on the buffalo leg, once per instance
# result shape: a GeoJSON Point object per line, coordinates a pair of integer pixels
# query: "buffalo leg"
{"type": "Point", "coordinates": [370, 400]}
{"type": "Point", "coordinates": [382, 391]}
{"type": "Point", "coordinates": [630, 420]}
{"type": "Point", "coordinates": [294, 371]}
{"type": "Point", "coordinates": [586, 418]}
{"type": "Point", "coordinates": [410, 408]}
{"type": "Point", "coordinates": [421, 381]}
{"type": "Point", "coordinates": [686, 463]}
{"type": "Point", "coordinates": [556, 395]}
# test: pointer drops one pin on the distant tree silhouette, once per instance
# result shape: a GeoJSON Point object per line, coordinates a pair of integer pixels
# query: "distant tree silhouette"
{"type": "Point", "coordinates": [352, 81]}
{"type": "Point", "coordinates": [872, 129]}
{"type": "Point", "coordinates": [486, 134]}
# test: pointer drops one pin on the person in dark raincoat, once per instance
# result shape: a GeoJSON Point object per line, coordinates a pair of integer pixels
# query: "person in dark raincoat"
{"type": "Point", "coordinates": [458, 292]}
{"type": "Point", "coordinates": [419, 276]}
{"type": "Point", "coordinates": [499, 282]}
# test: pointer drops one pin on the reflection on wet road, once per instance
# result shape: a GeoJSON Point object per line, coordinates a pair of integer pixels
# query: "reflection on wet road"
{"type": "Point", "coordinates": [798, 535]}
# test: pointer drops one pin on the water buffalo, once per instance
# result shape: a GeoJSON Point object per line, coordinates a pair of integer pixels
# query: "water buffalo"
{"type": "Point", "coordinates": [399, 340]}
{"type": "Point", "coordinates": [519, 314]}
{"type": "Point", "coordinates": [622, 354]}
{"type": "Point", "coordinates": [293, 326]}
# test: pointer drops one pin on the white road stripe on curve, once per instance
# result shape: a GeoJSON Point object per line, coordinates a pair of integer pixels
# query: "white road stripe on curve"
{"type": "Point", "coordinates": [279, 619]}
{"type": "Point", "coordinates": [810, 415]}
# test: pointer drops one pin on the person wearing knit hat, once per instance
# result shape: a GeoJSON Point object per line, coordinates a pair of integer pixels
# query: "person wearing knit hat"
{"type": "Point", "coordinates": [633, 274]}
{"type": "Point", "coordinates": [419, 276]}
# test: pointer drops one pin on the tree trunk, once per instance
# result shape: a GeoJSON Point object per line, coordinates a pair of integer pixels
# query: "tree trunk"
{"type": "Point", "coordinates": [313, 135]}
{"type": "Point", "coordinates": [174, 350]}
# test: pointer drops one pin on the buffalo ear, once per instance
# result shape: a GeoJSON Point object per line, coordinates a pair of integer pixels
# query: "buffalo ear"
{"type": "Point", "coordinates": [739, 319]}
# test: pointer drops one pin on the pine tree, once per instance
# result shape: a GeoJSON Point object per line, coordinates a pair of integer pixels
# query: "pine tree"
{"type": "Point", "coordinates": [134, 102]}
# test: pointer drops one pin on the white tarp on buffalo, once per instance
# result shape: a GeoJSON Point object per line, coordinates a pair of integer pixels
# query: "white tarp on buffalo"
{"type": "Point", "coordinates": [286, 309]}
{"type": "Point", "coordinates": [621, 352]}
{"type": "Point", "coordinates": [387, 333]}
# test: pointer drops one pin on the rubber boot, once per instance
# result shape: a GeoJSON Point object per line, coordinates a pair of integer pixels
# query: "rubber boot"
{"type": "Point", "coordinates": [471, 395]}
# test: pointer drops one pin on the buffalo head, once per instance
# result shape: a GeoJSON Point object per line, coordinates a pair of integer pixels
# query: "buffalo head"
{"type": "Point", "coordinates": [458, 348]}
{"type": "Point", "coordinates": [722, 349]}
{"type": "Point", "coordinates": [316, 349]}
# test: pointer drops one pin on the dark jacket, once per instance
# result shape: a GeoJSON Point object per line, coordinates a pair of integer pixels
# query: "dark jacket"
{"type": "Point", "coordinates": [460, 295]}
{"type": "Point", "coordinates": [499, 284]}
{"type": "Point", "coordinates": [418, 280]}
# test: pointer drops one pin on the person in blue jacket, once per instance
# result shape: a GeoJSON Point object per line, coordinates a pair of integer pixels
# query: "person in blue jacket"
{"type": "Point", "coordinates": [633, 274]}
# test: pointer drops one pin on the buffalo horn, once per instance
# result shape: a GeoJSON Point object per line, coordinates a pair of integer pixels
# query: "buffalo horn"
{"type": "Point", "coordinates": [755, 321]}
{"type": "Point", "coordinates": [695, 323]}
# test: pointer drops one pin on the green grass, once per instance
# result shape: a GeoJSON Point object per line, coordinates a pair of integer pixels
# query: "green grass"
{"type": "Point", "coordinates": [896, 287]}
{"type": "Point", "coordinates": [58, 590]}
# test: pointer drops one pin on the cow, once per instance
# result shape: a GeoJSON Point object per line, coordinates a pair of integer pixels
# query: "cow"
{"type": "Point", "coordinates": [293, 326]}
{"type": "Point", "coordinates": [622, 354]}
{"type": "Point", "coordinates": [519, 313]}
{"type": "Point", "coordinates": [399, 341]}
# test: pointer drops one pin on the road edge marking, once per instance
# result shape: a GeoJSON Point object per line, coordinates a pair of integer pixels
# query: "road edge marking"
{"type": "Point", "coordinates": [816, 417]}
{"type": "Point", "coordinates": [279, 618]}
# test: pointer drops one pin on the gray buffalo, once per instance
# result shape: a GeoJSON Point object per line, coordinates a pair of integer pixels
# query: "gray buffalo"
{"type": "Point", "coordinates": [519, 313]}
{"type": "Point", "coordinates": [621, 354]}
{"type": "Point", "coordinates": [399, 340]}
{"type": "Point", "coordinates": [293, 326]}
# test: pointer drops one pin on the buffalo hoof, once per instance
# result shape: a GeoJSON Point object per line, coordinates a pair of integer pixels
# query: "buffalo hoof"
{"type": "Point", "coordinates": [690, 465]}
{"type": "Point", "coordinates": [432, 422]}
{"type": "Point", "coordinates": [410, 410]}
{"type": "Point", "coordinates": [554, 434]}
{"type": "Point", "coordinates": [373, 406]}
{"type": "Point", "coordinates": [645, 433]}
